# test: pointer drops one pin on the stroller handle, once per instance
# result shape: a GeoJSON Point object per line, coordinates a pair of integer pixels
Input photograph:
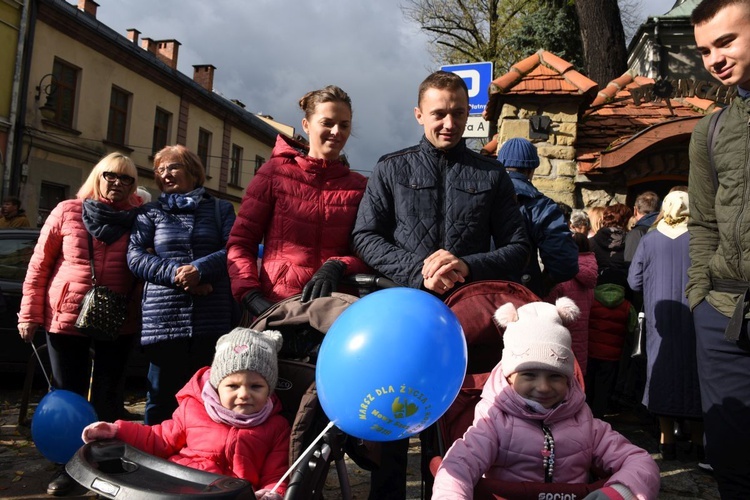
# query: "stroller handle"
{"type": "Point", "coordinates": [369, 281]}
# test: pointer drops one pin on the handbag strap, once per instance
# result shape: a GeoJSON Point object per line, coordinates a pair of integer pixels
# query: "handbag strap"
{"type": "Point", "coordinates": [91, 257]}
{"type": "Point", "coordinates": [93, 273]}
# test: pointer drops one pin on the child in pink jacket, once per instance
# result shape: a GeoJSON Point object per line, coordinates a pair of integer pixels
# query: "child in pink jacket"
{"type": "Point", "coordinates": [228, 420]}
{"type": "Point", "coordinates": [532, 423]}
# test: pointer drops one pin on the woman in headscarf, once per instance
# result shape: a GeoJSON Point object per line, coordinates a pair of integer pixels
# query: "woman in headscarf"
{"type": "Point", "coordinates": [659, 270]}
{"type": "Point", "coordinates": [59, 275]}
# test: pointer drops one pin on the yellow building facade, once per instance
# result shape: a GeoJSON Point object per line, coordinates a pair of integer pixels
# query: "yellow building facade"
{"type": "Point", "coordinates": [11, 33]}
{"type": "Point", "coordinates": [92, 91]}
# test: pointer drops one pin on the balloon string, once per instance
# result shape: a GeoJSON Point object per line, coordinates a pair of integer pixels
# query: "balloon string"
{"type": "Point", "coordinates": [302, 456]}
{"type": "Point", "coordinates": [49, 384]}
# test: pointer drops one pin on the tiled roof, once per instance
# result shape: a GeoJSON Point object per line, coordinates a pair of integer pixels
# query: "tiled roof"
{"type": "Point", "coordinates": [614, 118]}
{"type": "Point", "coordinates": [610, 118]}
{"type": "Point", "coordinates": [538, 74]}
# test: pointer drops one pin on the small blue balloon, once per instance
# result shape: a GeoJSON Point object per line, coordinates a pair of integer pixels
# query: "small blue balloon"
{"type": "Point", "coordinates": [391, 364]}
{"type": "Point", "coordinates": [260, 250]}
{"type": "Point", "coordinates": [58, 422]}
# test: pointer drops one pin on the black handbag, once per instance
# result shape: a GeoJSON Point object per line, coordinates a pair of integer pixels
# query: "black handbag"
{"type": "Point", "coordinates": [103, 311]}
{"type": "Point", "coordinates": [639, 344]}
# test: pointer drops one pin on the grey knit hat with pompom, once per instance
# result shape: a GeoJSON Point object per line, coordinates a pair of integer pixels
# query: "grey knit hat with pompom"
{"type": "Point", "coordinates": [247, 349]}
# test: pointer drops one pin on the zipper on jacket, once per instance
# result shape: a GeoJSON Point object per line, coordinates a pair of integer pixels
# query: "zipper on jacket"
{"type": "Point", "coordinates": [548, 454]}
{"type": "Point", "coordinates": [441, 192]}
{"type": "Point", "coordinates": [738, 223]}
{"type": "Point", "coordinates": [319, 223]}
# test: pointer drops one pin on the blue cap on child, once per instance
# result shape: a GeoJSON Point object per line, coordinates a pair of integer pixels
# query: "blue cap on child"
{"type": "Point", "coordinates": [535, 338]}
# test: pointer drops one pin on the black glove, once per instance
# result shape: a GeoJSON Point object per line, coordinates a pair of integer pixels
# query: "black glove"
{"type": "Point", "coordinates": [255, 302]}
{"type": "Point", "coordinates": [325, 281]}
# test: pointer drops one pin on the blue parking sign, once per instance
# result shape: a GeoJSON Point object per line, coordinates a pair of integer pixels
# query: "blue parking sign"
{"type": "Point", "coordinates": [478, 77]}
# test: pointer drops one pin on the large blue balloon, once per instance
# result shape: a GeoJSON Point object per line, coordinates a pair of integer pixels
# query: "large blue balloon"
{"type": "Point", "coordinates": [391, 364]}
{"type": "Point", "coordinates": [58, 422]}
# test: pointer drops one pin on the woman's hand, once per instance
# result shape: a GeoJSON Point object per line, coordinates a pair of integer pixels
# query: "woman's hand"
{"type": "Point", "coordinates": [325, 281]}
{"type": "Point", "coordinates": [98, 430]}
{"type": "Point", "coordinates": [187, 276]}
{"type": "Point", "coordinates": [27, 331]}
{"type": "Point", "coordinates": [255, 302]}
{"type": "Point", "coordinates": [265, 494]}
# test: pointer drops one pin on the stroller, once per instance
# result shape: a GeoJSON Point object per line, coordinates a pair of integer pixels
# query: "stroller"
{"type": "Point", "coordinates": [474, 305]}
{"type": "Point", "coordinates": [115, 470]}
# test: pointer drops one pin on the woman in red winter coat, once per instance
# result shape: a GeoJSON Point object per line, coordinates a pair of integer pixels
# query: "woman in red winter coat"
{"type": "Point", "coordinates": [228, 420]}
{"type": "Point", "coordinates": [301, 205]}
{"type": "Point", "coordinates": [59, 275]}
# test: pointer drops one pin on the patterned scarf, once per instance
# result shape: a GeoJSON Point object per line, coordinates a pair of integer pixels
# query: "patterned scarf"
{"type": "Point", "coordinates": [221, 415]}
{"type": "Point", "coordinates": [187, 202]}
{"type": "Point", "coordinates": [106, 222]}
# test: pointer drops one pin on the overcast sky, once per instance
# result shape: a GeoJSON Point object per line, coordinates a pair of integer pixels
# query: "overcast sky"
{"type": "Point", "coordinates": [269, 53]}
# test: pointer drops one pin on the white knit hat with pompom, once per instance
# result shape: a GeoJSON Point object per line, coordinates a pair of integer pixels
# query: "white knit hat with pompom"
{"type": "Point", "coordinates": [535, 337]}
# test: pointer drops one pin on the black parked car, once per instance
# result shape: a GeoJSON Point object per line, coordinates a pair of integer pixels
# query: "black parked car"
{"type": "Point", "coordinates": [16, 249]}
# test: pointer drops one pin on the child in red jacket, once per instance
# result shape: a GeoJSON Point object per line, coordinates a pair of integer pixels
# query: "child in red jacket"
{"type": "Point", "coordinates": [612, 317]}
{"type": "Point", "coordinates": [228, 420]}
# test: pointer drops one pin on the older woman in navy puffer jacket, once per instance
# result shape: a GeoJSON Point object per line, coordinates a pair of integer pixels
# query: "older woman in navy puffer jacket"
{"type": "Point", "coordinates": [178, 248]}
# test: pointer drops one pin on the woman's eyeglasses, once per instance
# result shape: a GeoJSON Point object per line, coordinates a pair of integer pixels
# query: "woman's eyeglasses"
{"type": "Point", "coordinates": [111, 177]}
{"type": "Point", "coordinates": [171, 168]}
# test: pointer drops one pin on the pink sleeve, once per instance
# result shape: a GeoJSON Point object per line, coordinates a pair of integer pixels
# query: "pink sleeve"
{"type": "Point", "coordinates": [41, 266]}
{"type": "Point", "coordinates": [630, 465]}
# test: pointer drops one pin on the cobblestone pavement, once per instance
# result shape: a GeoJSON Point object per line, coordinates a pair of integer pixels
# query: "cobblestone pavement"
{"type": "Point", "coordinates": [24, 473]}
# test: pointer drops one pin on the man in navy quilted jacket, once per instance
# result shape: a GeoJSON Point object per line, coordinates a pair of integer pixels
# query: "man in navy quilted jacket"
{"type": "Point", "coordinates": [429, 218]}
{"type": "Point", "coordinates": [431, 211]}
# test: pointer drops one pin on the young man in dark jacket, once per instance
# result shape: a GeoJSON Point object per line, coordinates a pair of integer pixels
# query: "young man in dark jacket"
{"type": "Point", "coordinates": [718, 278]}
{"type": "Point", "coordinates": [428, 219]}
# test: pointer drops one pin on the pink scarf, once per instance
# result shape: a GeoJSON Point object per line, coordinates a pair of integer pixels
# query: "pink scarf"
{"type": "Point", "coordinates": [221, 415]}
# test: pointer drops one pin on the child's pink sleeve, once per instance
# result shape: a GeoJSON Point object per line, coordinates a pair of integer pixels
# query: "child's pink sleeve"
{"type": "Point", "coordinates": [630, 465]}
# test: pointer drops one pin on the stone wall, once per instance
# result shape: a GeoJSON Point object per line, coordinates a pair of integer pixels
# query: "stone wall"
{"type": "Point", "coordinates": [557, 170]}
